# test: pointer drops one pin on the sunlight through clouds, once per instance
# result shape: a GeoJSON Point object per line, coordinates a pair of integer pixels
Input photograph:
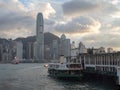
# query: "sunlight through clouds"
{"type": "Point", "coordinates": [86, 20]}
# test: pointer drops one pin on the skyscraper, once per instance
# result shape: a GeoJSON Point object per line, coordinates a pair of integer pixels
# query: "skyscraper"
{"type": "Point", "coordinates": [40, 38]}
{"type": "Point", "coordinates": [64, 46]}
{"type": "Point", "coordinates": [19, 50]}
{"type": "Point", "coordinates": [55, 49]}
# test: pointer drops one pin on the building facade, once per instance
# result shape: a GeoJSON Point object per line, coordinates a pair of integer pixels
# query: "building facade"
{"type": "Point", "coordinates": [81, 49]}
{"type": "Point", "coordinates": [55, 51]}
{"type": "Point", "coordinates": [19, 50]}
{"type": "Point", "coordinates": [65, 47]}
{"type": "Point", "coordinates": [101, 62]}
{"type": "Point", "coordinates": [39, 38]}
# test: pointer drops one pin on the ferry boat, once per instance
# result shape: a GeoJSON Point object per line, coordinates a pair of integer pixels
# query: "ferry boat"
{"type": "Point", "coordinates": [69, 67]}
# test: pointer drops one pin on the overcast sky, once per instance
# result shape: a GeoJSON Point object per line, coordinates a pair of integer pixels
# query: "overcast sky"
{"type": "Point", "coordinates": [94, 22]}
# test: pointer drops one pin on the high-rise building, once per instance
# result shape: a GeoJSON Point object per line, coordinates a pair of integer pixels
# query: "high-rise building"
{"type": "Point", "coordinates": [35, 50]}
{"type": "Point", "coordinates": [82, 48]}
{"type": "Point", "coordinates": [65, 46]}
{"type": "Point", "coordinates": [40, 38]}
{"type": "Point", "coordinates": [1, 49]}
{"type": "Point", "coordinates": [19, 50]}
{"type": "Point", "coordinates": [79, 50]}
{"type": "Point", "coordinates": [6, 53]}
{"type": "Point", "coordinates": [55, 49]}
{"type": "Point", "coordinates": [47, 53]}
{"type": "Point", "coordinates": [30, 50]}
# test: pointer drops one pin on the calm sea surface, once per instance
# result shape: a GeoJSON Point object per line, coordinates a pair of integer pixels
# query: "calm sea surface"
{"type": "Point", "coordinates": [35, 77]}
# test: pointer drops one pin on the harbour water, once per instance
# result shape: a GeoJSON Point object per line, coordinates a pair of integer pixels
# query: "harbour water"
{"type": "Point", "coordinates": [35, 77]}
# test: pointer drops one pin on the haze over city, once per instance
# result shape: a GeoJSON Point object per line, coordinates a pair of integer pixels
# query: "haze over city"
{"type": "Point", "coordinates": [95, 23]}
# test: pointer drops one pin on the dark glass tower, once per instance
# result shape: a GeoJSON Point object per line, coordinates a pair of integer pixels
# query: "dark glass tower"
{"type": "Point", "coordinates": [40, 37]}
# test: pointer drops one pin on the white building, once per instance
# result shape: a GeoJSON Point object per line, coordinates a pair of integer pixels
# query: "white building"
{"type": "Point", "coordinates": [73, 45]}
{"type": "Point", "coordinates": [101, 50]}
{"type": "Point", "coordinates": [65, 46]}
{"type": "Point", "coordinates": [110, 50]}
{"type": "Point", "coordinates": [40, 38]}
{"type": "Point", "coordinates": [74, 52]}
{"type": "Point", "coordinates": [97, 50]}
{"type": "Point", "coordinates": [82, 48]}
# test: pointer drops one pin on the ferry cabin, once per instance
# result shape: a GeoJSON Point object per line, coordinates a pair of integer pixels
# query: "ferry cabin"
{"type": "Point", "coordinates": [69, 67]}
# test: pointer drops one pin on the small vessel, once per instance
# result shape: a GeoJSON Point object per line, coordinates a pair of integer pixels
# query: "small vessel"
{"type": "Point", "coordinates": [69, 67]}
{"type": "Point", "coordinates": [45, 65]}
{"type": "Point", "coordinates": [15, 61]}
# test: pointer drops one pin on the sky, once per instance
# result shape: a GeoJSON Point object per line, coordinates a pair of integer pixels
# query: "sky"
{"type": "Point", "coordinates": [96, 23]}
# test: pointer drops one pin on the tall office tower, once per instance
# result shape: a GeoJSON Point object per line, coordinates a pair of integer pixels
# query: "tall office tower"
{"type": "Point", "coordinates": [30, 50]}
{"type": "Point", "coordinates": [1, 52]}
{"type": "Point", "coordinates": [40, 38]}
{"type": "Point", "coordinates": [19, 50]}
{"type": "Point", "coordinates": [64, 46]}
{"type": "Point", "coordinates": [55, 49]}
{"type": "Point", "coordinates": [82, 48]}
{"type": "Point", "coordinates": [35, 51]}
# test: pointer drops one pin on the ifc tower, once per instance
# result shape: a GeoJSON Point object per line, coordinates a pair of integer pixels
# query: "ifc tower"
{"type": "Point", "coordinates": [40, 38]}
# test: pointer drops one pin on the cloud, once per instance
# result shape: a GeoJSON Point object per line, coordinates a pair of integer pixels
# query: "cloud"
{"type": "Point", "coordinates": [116, 23]}
{"type": "Point", "coordinates": [113, 27]}
{"type": "Point", "coordinates": [47, 9]}
{"type": "Point", "coordinates": [109, 36]}
{"type": "Point", "coordinates": [97, 23]}
{"type": "Point", "coordinates": [18, 19]}
{"type": "Point", "coordinates": [78, 7]}
{"type": "Point", "coordinates": [13, 17]}
{"type": "Point", "coordinates": [79, 25]}
{"type": "Point", "coordinates": [44, 7]}
{"type": "Point", "coordinates": [103, 39]}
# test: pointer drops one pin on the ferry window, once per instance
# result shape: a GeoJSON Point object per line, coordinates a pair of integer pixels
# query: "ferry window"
{"type": "Point", "coordinates": [113, 59]}
{"type": "Point", "coordinates": [110, 60]}
{"type": "Point", "coordinates": [106, 60]}
{"type": "Point", "coordinates": [87, 60]}
{"type": "Point", "coordinates": [103, 60]}
{"type": "Point", "coordinates": [74, 60]}
{"type": "Point", "coordinates": [57, 66]}
{"type": "Point", "coordinates": [118, 62]}
{"type": "Point", "coordinates": [96, 59]}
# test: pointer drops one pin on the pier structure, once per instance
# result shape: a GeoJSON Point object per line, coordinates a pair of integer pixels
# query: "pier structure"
{"type": "Point", "coordinates": [107, 64]}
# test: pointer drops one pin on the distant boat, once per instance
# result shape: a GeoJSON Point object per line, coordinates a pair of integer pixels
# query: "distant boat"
{"type": "Point", "coordinates": [46, 65]}
{"type": "Point", "coordinates": [15, 61]}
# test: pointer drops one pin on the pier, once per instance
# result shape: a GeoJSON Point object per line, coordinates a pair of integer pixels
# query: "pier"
{"type": "Point", "coordinates": [104, 64]}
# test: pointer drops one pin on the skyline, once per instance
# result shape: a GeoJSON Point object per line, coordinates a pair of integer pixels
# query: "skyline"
{"type": "Point", "coordinates": [94, 23]}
